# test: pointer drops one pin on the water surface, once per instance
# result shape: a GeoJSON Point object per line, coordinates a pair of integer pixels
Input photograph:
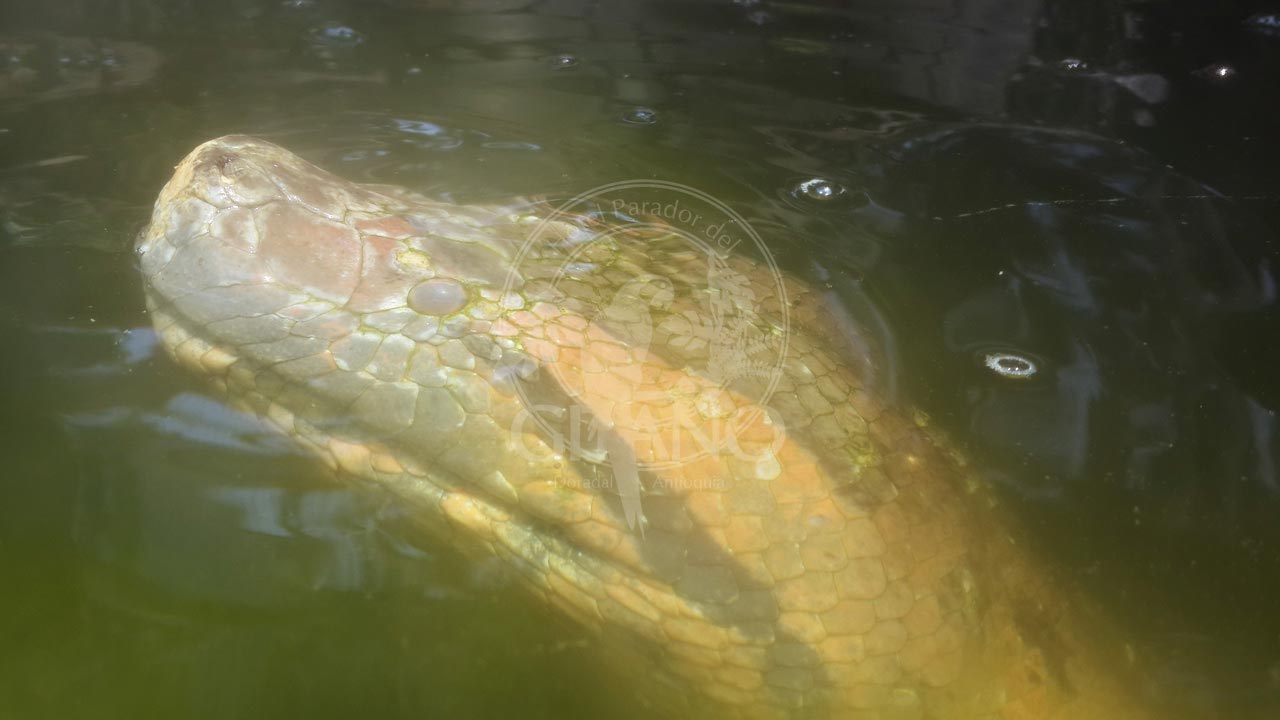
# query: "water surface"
{"type": "Point", "coordinates": [1009, 178]}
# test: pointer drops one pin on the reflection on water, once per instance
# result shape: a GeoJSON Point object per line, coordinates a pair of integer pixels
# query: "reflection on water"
{"type": "Point", "coordinates": [169, 556]}
{"type": "Point", "coordinates": [1145, 441]}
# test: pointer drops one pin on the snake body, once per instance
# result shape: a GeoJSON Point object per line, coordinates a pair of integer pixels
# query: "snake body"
{"type": "Point", "coordinates": [834, 562]}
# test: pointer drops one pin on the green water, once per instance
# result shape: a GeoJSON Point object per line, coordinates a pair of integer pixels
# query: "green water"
{"type": "Point", "coordinates": [161, 556]}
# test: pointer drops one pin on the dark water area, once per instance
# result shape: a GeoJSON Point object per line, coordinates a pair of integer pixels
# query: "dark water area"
{"type": "Point", "coordinates": [1087, 188]}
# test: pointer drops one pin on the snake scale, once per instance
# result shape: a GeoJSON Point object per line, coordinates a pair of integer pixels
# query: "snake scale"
{"type": "Point", "coordinates": [834, 560]}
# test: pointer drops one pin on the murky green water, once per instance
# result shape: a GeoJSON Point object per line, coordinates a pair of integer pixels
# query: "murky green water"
{"type": "Point", "coordinates": [162, 556]}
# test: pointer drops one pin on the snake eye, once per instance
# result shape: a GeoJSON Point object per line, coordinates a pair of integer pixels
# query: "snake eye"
{"type": "Point", "coordinates": [438, 297]}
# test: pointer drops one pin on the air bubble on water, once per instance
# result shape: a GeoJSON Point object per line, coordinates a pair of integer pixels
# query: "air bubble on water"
{"type": "Point", "coordinates": [564, 60]}
{"type": "Point", "coordinates": [1010, 365]}
{"type": "Point", "coordinates": [1218, 72]}
{"type": "Point", "coordinates": [1265, 23]}
{"type": "Point", "coordinates": [1073, 64]}
{"type": "Point", "coordinates": [819, 189]}
{"type": "Point", "coordinates": [337, 34]}
{"type": "Point", "coordinates": [640, 116]}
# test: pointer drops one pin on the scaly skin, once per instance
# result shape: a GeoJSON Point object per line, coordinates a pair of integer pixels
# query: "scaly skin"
{"type": "Point", "coordinates": [835, 564]}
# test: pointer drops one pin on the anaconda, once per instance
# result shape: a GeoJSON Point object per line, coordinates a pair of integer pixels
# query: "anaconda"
{"type": "Point", "coordinates": [833, 561]}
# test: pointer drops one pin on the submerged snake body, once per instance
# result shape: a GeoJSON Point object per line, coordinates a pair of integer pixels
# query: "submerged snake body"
{"type": "Point", "coordinates": [840, 568]}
